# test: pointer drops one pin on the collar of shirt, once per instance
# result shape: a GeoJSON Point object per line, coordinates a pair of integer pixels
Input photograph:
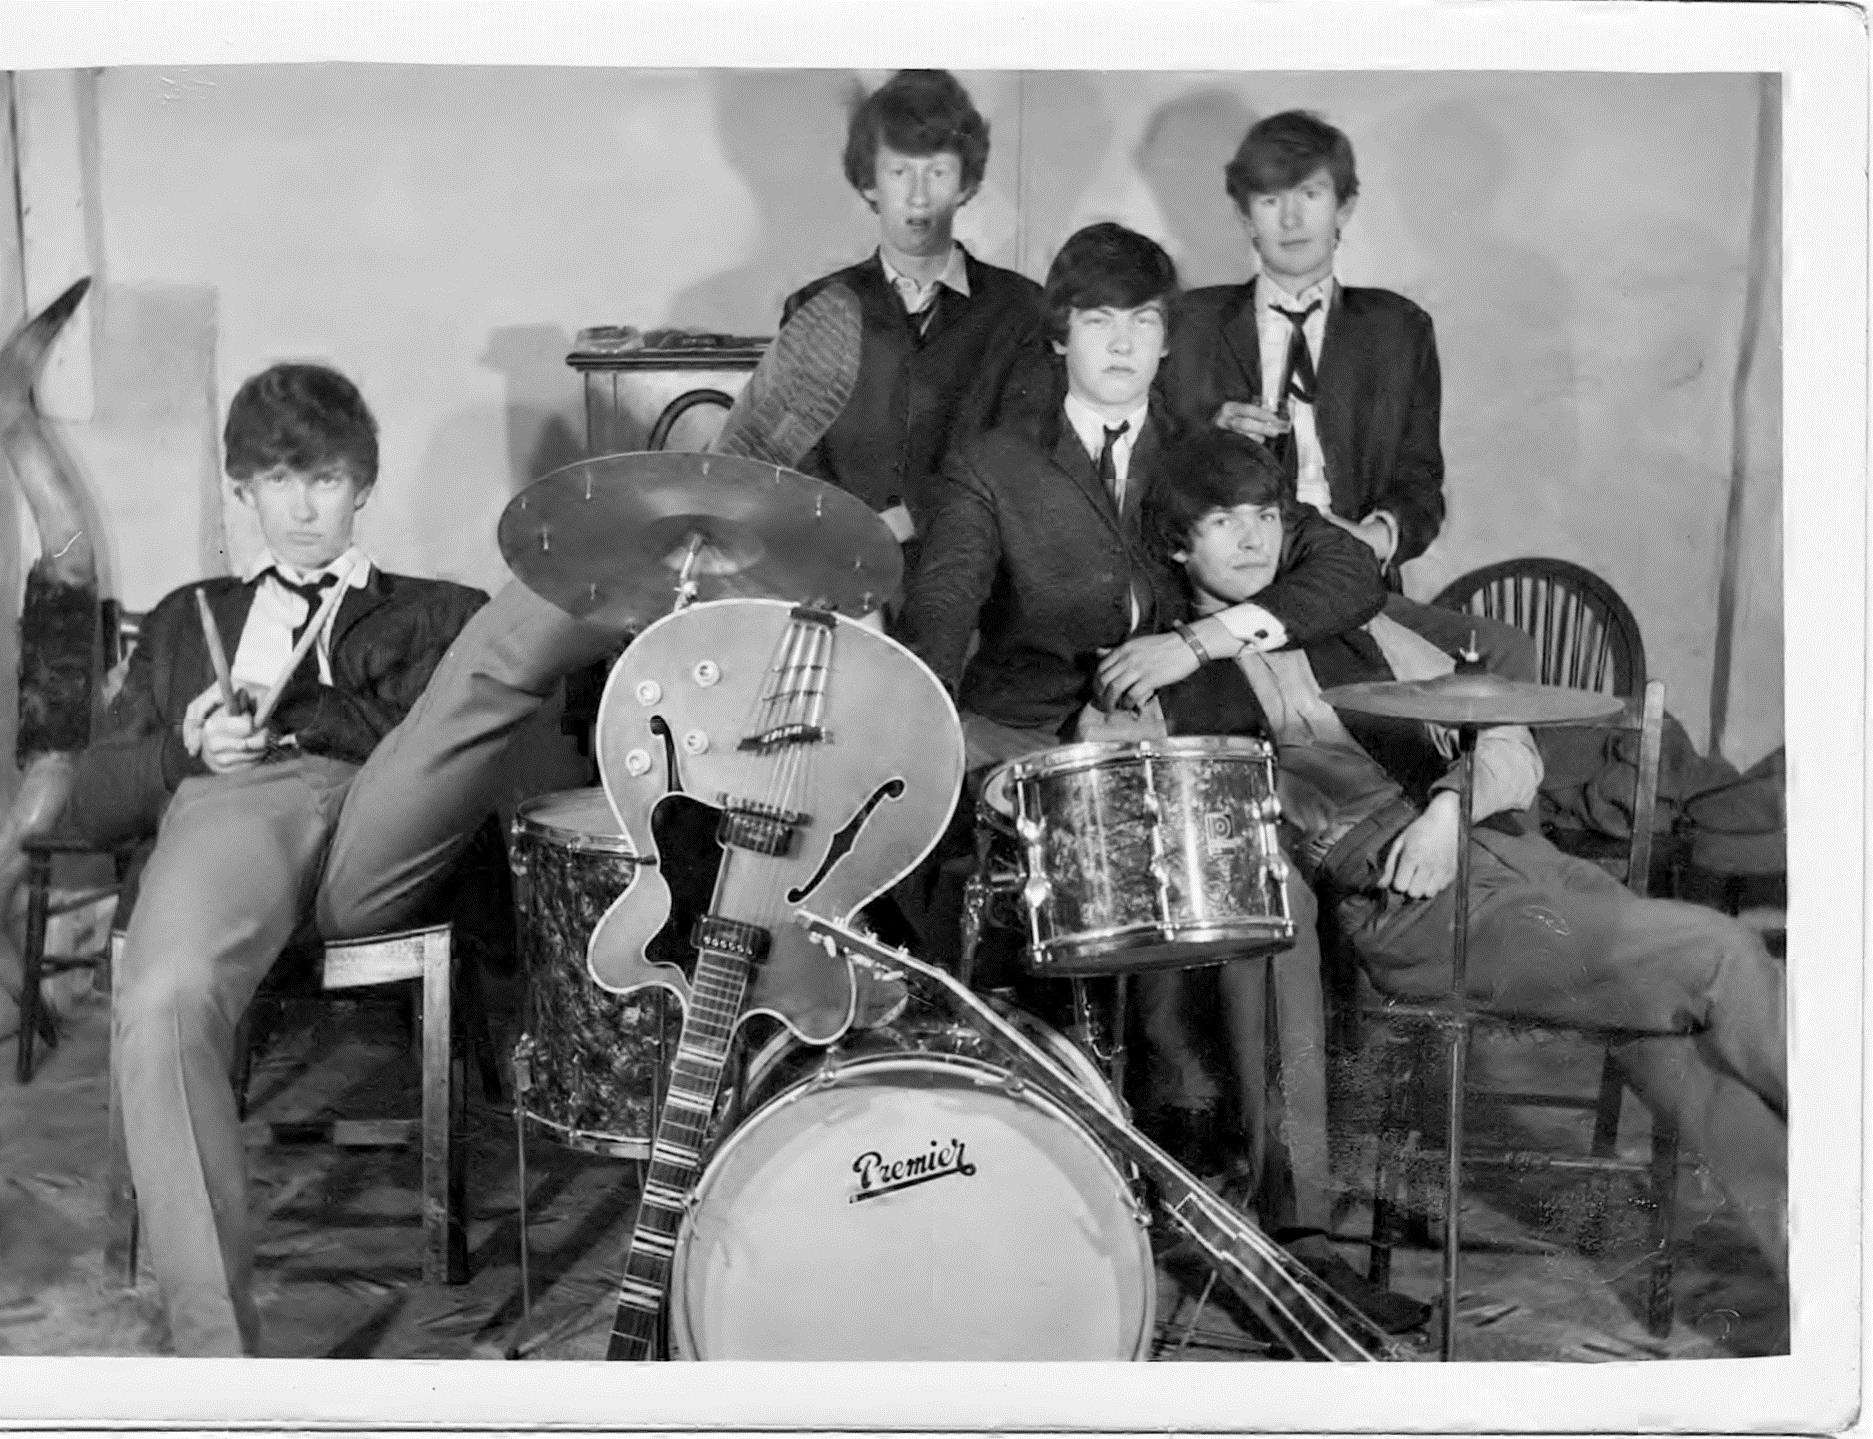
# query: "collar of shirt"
{"type": "Point", "coordinates": [916, 294]}
{"type": "Point", "coordinates": [353, 559]}
{"type": "Point", "coordinates": [1091, 427]}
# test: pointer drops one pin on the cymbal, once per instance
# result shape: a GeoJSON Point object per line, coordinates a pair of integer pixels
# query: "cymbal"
{"type": "Point", "coordinates": [1475, 698]}
{"type": "Point", "coordinates": [616, 539]}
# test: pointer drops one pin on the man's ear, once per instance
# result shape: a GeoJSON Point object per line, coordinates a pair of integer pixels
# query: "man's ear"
{"type": "Point", "coordinates": [363, 493]}
{"type": "Point", "coordinates": [1346, 210]}
{"type": "Point", "coordinates": [870, 197]}
{"type": "Point", "coordinates": [1181, 557]}
{"type": "Point", "coordinates": [244, 492]}
{"type": "Point", "coordinates": [1059, 348]}
{"type": "Point", "coordinates": [969, 194]}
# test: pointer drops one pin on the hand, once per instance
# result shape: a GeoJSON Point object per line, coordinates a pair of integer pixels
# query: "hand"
{"type": "Point", "coordinates": [1255, 421]}
{"type": "Point", "coordinates": [199, 709]}
{"type": "Point", "coordinates": [1139, 668]}
{"type": "Point", "coordinates": [1423, 859]}
{"type": "Point", "coordinates": [230, 741]}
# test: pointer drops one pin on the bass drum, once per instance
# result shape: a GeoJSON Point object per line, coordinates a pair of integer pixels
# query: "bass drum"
{"type": "Point", "coordinates": [908, 1195]}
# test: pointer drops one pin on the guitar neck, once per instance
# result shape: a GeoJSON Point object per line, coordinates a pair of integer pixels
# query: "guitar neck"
{"type": "Point", "coordinates": [719, 985]}
{"type": "Point", "coordinates": [1312, 1322]}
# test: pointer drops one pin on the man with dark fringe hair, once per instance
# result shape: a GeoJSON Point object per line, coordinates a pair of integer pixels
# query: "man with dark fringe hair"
{"type": "Point", "coordinates": [944, 335]}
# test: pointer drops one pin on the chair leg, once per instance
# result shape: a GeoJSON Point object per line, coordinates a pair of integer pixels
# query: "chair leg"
{"type": "Point", "coordinates": [1386, 1178]}
{"type": "Point", "coordinates": [1664, 1184]}
{"type": "Point", "coordinates": [35, 1022]}
{"type": "Point", "coordinates": [445, 1241]}
{"type": "Point", "coordinates": [121, 1228]}
{"type": "Point", "coordinates": [1593, 1224]}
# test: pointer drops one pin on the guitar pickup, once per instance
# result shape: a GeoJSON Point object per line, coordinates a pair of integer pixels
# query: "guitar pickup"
{"type": "Point", "coordinates": [731, 938]}
{"type": "Point", "coordinates": [759, 828]}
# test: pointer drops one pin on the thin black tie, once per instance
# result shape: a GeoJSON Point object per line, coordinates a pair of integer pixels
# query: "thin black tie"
{"type": "Point", "coordinates": [1298, 380]}
{"type": "Point", "coordinates": [314, 596]}
{"type": "Point", "coordinates": [1108, 462]}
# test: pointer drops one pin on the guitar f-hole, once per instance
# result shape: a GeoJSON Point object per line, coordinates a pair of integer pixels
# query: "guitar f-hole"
{"type": "Point", "coordinates": [846, 837]}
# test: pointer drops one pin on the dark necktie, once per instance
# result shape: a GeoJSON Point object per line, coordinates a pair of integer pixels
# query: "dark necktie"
{"type": "Point", "coordinates": [314, 596]}
{"type": "Point", "coordinates": [1108, 462]}
{"type": "Point", "coordinates": [1297, 380]}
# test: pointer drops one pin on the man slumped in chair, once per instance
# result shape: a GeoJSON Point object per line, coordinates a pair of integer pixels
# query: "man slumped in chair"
{"type": "Point", "coordinates": [1373, 812]}
{"type": "Point", "coordinates": [244, 816]}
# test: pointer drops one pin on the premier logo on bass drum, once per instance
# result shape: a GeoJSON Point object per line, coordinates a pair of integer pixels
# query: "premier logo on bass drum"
{"type": "Point", "coordinates": [878, 1176]}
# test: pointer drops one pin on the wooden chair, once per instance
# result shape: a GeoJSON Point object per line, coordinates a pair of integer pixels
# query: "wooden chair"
{"type": "Point", "coordinates": [119, 629]}
{"type": "Point", "coordinates": [1586, 635]}
{"type": "Point", "coordinates": [429, 958]}
{"type": "Point", "coordinates": [1588, 639]}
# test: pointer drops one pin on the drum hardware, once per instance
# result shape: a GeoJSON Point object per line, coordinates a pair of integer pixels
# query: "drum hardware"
{"type": "Point", "coordinates": [1468, 699]}
{"type": "Point", "coordinates": [1302, 1313]}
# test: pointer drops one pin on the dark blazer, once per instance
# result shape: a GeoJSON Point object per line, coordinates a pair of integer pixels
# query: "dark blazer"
{"type": "Point", "coordinates": [916, 394]}
{"type": "Point", "coordinates": [1028, 548]}
{"type": "Point", "coordinates": [1376, 408]}
{"type": "Point", "coordinates": [387, 638]}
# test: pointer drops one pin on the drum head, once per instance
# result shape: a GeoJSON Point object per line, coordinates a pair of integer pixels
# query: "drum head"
{"type": "Point", "coordinates": [578, 818]}
{"type": "Point", "coordinates": [998, 790]}
{"type": "Point", "coordinates": [912, 1209]}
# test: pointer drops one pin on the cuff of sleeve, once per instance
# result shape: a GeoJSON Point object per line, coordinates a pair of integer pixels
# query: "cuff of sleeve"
{"type": "Point", "coordinates": [1389, 523]}
{"type": "Point", "coordinates": [1254, 626]}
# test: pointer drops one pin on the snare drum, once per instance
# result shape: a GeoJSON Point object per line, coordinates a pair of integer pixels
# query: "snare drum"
{"type": "Point", "coordinates": [594, 1059]}
{"type": "Point", "coordinates": [910, 1196]}
{"type": "Point", "coordinates": [1149, 854]}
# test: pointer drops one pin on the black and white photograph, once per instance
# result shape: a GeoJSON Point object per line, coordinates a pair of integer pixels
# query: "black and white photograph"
{"type": "Point", "coordinates": [919, 690]}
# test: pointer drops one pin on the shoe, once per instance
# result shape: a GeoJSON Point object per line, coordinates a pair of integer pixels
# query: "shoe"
{"type": "Point", "coordinates": [1392, 1312]}
{"type": "Point", "coordinates": [802, 383]}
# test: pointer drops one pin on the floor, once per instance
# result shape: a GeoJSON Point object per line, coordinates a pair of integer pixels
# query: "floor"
{"type": "Point", "coordinates": [340, 1257]}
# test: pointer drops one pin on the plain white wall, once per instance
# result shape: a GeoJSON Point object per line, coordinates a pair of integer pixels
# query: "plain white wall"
{"type": "Point", "coordinates": [441, 234]}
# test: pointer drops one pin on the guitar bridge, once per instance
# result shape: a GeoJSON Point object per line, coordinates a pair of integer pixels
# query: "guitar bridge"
{"type": "Point", "coordinates": [730, 937]}
{"type": "Point", "coordinates": [780, 737]}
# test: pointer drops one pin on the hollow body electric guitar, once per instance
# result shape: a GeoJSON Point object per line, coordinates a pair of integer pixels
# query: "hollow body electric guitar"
{"type": "Point", "coordinates": [776, 740]}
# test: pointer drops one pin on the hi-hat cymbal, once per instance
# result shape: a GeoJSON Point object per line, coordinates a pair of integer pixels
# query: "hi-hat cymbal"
{"type": "Point", "coordinates": [1475, 698]}
{"type": "Point", "coordinates": [616, 539]}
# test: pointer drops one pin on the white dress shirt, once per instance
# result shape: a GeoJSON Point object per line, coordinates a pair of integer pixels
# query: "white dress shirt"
{"type": "Point", "coordinates": [918, 295]}
{"type": "Point", "coordinates": [267, 637]}
{"type": "Point", "coordinates": [1274, 330]}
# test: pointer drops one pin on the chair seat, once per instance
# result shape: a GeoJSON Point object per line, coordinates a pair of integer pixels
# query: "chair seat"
{"type": "Point", "coordinates": [63, 839]}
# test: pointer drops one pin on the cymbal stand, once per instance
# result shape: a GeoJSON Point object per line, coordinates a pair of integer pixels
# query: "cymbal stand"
{"type": "Point", "coordinates": [685, 575]}
{"type": "Point", "coordinates": [1455, 1021]}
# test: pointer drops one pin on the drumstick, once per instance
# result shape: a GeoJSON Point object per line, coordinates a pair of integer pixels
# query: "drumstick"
{"type": "Point", "coordinates": [234, 700]}
{"type": "Point", "coordinates": [306, 642]}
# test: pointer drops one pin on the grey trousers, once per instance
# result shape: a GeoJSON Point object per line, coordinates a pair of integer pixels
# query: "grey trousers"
{"type": "Point", "coordinates": [1553, 937]}
{"type": "Point", "coordinates": [244, 861]}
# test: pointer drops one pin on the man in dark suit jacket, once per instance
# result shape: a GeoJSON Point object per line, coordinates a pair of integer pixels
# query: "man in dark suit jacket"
{"type": "Point", "coordinates": [1035, 545]}
{"type": "Point", "coordinates": [243, 820]}
{"type": "Point", "coordinates": [1341, 381]}
{"type": "Point", "coordinates": [944, 335]}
